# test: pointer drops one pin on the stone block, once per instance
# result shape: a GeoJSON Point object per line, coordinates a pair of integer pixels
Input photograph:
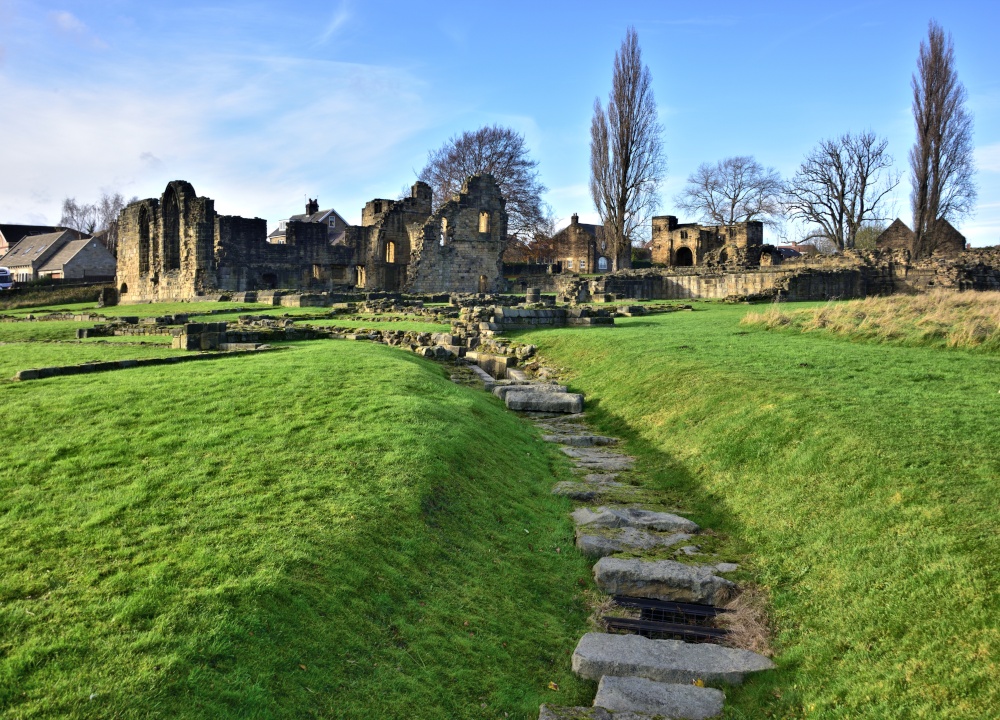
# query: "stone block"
{"type": "Point", "coordinates": [26, 375]}
{"type": "Point", "coordinates": [671, 700]}
{"type": "Point", "coordinates": [544, 402]}
{"type": "Point", "coordinates": [662, 580]}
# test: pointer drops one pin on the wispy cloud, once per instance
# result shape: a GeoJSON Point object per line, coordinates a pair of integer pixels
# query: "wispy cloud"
{"type": "Point", "coordinates": [68, 24]}
{"type": "Point", "coordinates": [988, 157]}
{"type": "Point", "coordinates": [340, 18]}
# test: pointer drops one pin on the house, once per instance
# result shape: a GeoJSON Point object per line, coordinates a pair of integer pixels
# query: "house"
{"type": "Point", "coordinates": [61, 255]}
{"type": "Point", "coordinates": [335, 224]}
{"type": "Point", "coordinates": [10, 235]}
{"type": "Point", "coordinates": [580, 248]}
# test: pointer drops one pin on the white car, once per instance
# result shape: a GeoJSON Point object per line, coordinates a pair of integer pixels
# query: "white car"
{"type": "Point", "coordinates": [6, 279]}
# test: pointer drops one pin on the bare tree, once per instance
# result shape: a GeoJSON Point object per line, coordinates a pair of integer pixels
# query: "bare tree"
{"type": "Point", "coordinates": [843, 186]}
{"type": "Point", "coordinates": [502, 152]}
{"type": "Point", "coordinates": [100, 218]}
{"type": "Point", "coordinates": [737, 189]}
{"type": "Point", "coordinates": [626, 153]}
{"type": "Point", "coordinates": [941, 162]}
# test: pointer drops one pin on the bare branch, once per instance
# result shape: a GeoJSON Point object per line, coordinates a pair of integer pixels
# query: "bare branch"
{"type": "Point", "coordinates": [734, 190]}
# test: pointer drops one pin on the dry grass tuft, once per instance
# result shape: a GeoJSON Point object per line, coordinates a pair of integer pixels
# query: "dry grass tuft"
{"type": "Point", "coordinates": [747, 621]}
{"type": "Point", "coordinates": [946, 317]}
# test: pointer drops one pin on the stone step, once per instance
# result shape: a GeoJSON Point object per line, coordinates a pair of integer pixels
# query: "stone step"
{"type": "Point", "coordinates": [667, 661]}
{"type": "Point", "coordinates": [669, 700]}
{"type": "Point", "coordinates": [529, 401]}
{"type": "Point", "coordinates": [593, 459]}
{"type": "Point", "coordinates": [552, 712]}
{"type": "Point", "coordinates": [581, 440]}
{"type": "Point", "coordinates": [617, 517]}
{"type": "Point", "coordinates": [662, 580]}
{"type": "Point", "coordinates": [585, 492]}
{"type": "Point", "coordinates": [609, 542]}
{"type": "Point", "coordinates": [501, 390]}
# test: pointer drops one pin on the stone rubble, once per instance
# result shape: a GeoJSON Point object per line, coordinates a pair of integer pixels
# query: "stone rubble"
{"type": "Point", "coordinates": [637, 694]}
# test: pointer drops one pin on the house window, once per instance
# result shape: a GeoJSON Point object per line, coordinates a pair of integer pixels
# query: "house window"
{"type": "Point", "coordinates": [333, 223]}
{"type": "Point", "coordinates": [602, 263]}
{"type": "Point", "coordinates": [583, 265]}
{"type": "Point", "coordinates": [569, 264]}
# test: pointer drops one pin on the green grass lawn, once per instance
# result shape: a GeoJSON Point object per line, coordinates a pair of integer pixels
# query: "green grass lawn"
{"type": "Point", "coordinates": [860, 480]}
{"type": "Point", "coordinates": [335, 530]}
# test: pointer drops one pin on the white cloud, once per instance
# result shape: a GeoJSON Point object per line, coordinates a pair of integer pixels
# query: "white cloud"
{"type": "Point", "coordinates": [70, 25]}
{"type": "Point", "coordinates": [988, 157]}
{"type": "Point", "coordinates": [339, 19]}
{"type": "Point", "coordinates": [255, 133]}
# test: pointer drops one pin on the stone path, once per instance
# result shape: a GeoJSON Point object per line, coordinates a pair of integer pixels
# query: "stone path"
{"type": "Point", "coordinates": [639, 678]}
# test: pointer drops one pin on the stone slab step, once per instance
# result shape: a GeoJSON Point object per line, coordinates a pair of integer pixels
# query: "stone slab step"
{"type": "Point", "coordinates": [518, 399]}
{"type": "Point", "coordinates": [668, 700]}
{"type": "Point", "coordinates": [624, 540]}
{"type": "Point", "coordinates": [617, 517]}
{"type": "Point", "coordinates": [594, 459]}
{"type": "Point", "coordinates": [662, 580]}
{"type": "Point", "coordinates": [667, 661]}
{"type": "Point", "coordinates": [585, 492]}
{"type": "Point", "coordinates": [501, 390]}
{"type": "Point", "coordinates": [581, 440]}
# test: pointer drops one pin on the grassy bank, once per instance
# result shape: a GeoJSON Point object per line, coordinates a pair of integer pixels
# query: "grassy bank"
{"type": "Point", "coordinates": [860, 479]}
{"type": "Point", "coordinates": [332, 531]}
{"type": "Point", "coordinates": [946, 318]}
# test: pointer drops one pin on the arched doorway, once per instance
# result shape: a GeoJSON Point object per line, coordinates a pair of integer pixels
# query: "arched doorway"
{"type": "Point", "coordinates": [483, 284]}
{"type": "Point", "coordinates": [684, 257]}
{"type": "Point", "coordinates": [602, 264]}
{"type": "Point", "coordinates": [723, 255]}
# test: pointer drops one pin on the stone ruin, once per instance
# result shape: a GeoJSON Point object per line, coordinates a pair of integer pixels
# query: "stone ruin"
{"type": "Point", "coordinates": [178, 247]}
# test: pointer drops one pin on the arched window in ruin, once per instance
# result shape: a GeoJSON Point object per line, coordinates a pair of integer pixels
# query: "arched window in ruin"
{"type": "Point", "coordinates": [684, 257]}
{"type": "Point", "coordinates": [171, 231]}
{"type": "Point", "coordinates": [444, 231]}
{"type": "Point", "coordinates": [483, 284]}
{"type": "Point", "coordinates": [123, 290]}
{"type": "Point", "coordinates": [602, 263]}
{"type": "Point", "coordinates": [723, 255]}
{"type": "Point", "coordinates": [361, 276]}
{"type": "Point", "coordinates": [390, 252]}
{"type": "Point", "coordinates": [143, 240]}
{"type": "Point", "coordinates": [484, 222]}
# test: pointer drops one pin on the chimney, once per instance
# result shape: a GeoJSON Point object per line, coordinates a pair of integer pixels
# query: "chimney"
{"type": "Point", "coordinates": [574, 220]}
{"type": "Point", "coordinates": [312, 207]}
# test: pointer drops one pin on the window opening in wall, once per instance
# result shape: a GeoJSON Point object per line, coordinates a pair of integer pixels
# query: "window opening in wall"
{"type": "Point", "coordinates": [484, 222]}
{"type": "Point", "coordinates": [143, 240]}
{"type": "Point", "coordinates": [444, 230]}
{"type": "Point", "coordinates": [269, 281]}
{"type": "Point", "coordinates": [684, 235]}
{"type": "Point", "coordinates": [123, 290]}
{"type": "Point", "coordinates": [602, 263]}
{"type": "Point", "coordinates": [569, 264]}
{"type": "Point", "coordinates": [171, 231]}
{"type": "Point", "coordinates": [583, 265]}
{"type": "Point", "coordinates": [361, 276]}
{"type": "Point", "coordinates": [483, 284]}
{"type": "Point", "coordinates": [390, 252]}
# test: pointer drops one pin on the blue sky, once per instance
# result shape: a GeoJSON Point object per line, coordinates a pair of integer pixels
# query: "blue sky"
{"type": "Point", "coordinates": [260, 104]}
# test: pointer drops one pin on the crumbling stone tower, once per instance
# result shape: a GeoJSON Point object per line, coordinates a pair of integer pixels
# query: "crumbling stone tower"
{"type": "Point", "coordinates": [460, 247]}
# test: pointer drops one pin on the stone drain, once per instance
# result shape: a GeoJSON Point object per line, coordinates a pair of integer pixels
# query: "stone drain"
{"type": "Point", "coordinates": [639, 678]}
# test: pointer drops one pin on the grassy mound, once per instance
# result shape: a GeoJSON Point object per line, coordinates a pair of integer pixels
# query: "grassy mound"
{"type": "Point", "coordinates": [860, 479]}
{"type": "Point", "coordinates": [335, 530]}
{"type": "Point", "coordinates": [944, 318]}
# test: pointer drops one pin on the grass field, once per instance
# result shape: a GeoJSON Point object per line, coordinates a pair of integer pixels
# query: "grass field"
{"type": "Point", "coordinates": [946, 318]}
{"type": "Point", "coordinates": [335, 530]}
{"type": "Point", "coordinates": [860, 480]}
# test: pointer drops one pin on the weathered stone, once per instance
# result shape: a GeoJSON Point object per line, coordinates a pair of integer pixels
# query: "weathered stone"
{"type": "Point", "coordinates": [662, 580]}
{"type": "Point", "coordinates": [668, 661]}
{"type": "Point", "coordinates": [726, 567]}
{"type": "Point", "coordinates": [581, 440]}
{"type": "Point", "coordinates": [544, 402]}
{"type": "Point", "coordinates": [678, 702]}
{"type": "Point", "coordinates": [502, 390]}
{"type": "Point", "coordinates": [599, 459]}
{"type": "Point", "coordinates": [625, 539]}
{"type": "Point", "coordinates": [617, 517]}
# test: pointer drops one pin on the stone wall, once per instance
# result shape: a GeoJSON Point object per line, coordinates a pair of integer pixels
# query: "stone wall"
{"type": "Point", "coordinates": [690, 244]}
{"type": "Point", "coordinates": [460, 247]}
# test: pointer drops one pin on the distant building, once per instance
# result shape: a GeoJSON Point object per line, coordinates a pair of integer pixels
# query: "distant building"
{"type": "Point", "coordinates": [689, 244]}
{"type": "Point", "coordinates": [10, 235]}
{"type": "Point", "coordinates": [335, 225]}
{"type": "Point", "coordinates": [944, 241]}
{"type": "Point", "coordinates": [580, 248]}
{"type": "Point", "coordinates": [61, 255]}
